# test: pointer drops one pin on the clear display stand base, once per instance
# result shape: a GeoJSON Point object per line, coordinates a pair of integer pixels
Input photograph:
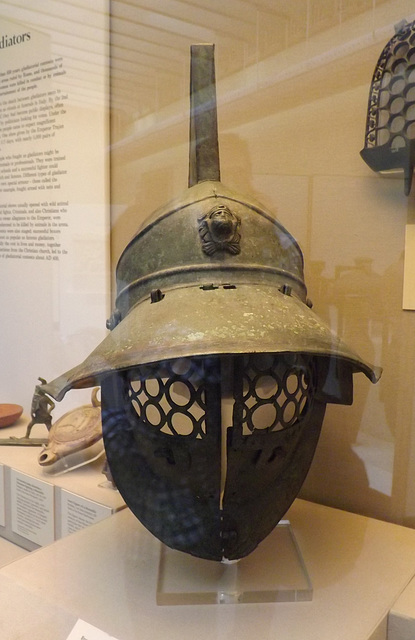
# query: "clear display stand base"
{"type": "Point", "coordinates": [274, 572]}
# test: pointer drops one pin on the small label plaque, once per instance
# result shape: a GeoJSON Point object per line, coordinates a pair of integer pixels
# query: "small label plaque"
{"type": "Point", "coordinates": [409, 269]}
{"type": "Point", "coordinates": [2, 507]}
{"type": "Point", "coordinates": [32, 508]}
{"type": "Point", "coordinates": [78, 513]}
{"type": "Point", "coordinates": [85, 631]}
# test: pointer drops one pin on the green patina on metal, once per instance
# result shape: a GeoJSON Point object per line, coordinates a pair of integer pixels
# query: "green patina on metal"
{"type": "Point", "coordinates": [212, 309]}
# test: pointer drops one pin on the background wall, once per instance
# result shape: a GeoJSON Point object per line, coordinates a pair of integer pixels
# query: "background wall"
{"type": "Point", "coordinates": [292, 82]}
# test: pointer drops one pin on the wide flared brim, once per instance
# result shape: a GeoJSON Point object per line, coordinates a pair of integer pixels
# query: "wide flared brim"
{"type": "Point", "coordinates": [196, 321]}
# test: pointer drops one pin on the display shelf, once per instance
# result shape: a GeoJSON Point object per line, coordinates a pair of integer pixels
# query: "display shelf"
{"type": "Point", "coordinates": [63, 503]}
{"type": "Point", "coordinates": [26, 609]}
{"type": "Point", "coordinates": [107, 575]}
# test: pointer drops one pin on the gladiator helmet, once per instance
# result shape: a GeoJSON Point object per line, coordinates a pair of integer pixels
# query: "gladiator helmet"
{"type": "Point", "coordinates": [390, 124]}
{"type": "Point", "coordinates": [216, 372]}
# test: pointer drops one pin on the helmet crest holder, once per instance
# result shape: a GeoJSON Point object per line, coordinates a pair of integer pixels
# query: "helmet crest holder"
{"type": "Point", "coordinates": [216, 373]}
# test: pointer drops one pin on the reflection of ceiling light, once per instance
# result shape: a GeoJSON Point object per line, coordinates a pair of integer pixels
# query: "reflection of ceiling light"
{"type": "Point", "coordinates": [216, 373]}
{"type": "Point", "coordinates": [390, 125]}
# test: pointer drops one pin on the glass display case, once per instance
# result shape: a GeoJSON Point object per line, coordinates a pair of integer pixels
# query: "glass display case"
{"type": "Point", "coordinates": [94, 113]}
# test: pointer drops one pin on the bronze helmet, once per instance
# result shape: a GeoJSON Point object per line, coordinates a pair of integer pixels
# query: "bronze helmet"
{"type": "Point", "coordinates": [216, 373]}
{"type": "Point", "coordinates": [390, 123]}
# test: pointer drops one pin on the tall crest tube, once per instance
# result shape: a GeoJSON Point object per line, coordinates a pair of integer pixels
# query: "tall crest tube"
{"type": "Point", "coordinates": [204, 146]}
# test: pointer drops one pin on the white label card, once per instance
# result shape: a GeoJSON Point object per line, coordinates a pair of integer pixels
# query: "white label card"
{"type": "Point", "coordinates": [409, 269]}
{"type": "Point", "coordinates": [32, 507]}
{"type": "Point", "coordinates": [84, 631]}
{"type": "Point", "coordinates": [2, 507]}
{"type": "Point", "coordinates": [78, 513]}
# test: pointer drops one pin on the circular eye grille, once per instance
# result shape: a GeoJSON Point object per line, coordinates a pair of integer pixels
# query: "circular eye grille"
{"type": "Point", "coordinates": [277, 391]}
{"type": "Point", "coordinates": [171, 396]}
{"type": "Point", "coordinates": [270, 392]}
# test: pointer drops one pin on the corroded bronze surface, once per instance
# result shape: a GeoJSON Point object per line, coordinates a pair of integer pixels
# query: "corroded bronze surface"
{"type": "Point", "coordinates": [216, 373]}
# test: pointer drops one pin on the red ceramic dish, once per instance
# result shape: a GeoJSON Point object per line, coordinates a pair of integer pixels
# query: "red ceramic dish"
{"type": "Point", "coordinates": [9, 413]}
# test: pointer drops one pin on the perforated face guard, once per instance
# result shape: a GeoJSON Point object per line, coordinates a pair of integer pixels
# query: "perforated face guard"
{"type": "Point", "coordinates": [211, 482]}
{"type": "Point", "coordinates": [390, 125]}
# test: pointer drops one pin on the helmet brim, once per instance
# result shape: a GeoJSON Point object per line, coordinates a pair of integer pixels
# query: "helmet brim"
{"type": "Point", "coordinates": [202, 321]}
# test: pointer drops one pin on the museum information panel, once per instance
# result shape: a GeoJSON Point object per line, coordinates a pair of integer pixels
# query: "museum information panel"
{"type": "Point", "coordinates": [32, 508]}
{"type": "Point", "coordinates": [78, 512]}
{"type": "Point", "coordinates": [54, 221]}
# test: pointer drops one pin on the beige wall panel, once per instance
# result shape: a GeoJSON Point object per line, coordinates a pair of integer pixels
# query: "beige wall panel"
{"type": "Point", "coordinates": [287, 197]}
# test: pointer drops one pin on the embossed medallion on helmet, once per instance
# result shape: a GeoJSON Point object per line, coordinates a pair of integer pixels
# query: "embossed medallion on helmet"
{"type": "Point", "coordinates": [219, 231]}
